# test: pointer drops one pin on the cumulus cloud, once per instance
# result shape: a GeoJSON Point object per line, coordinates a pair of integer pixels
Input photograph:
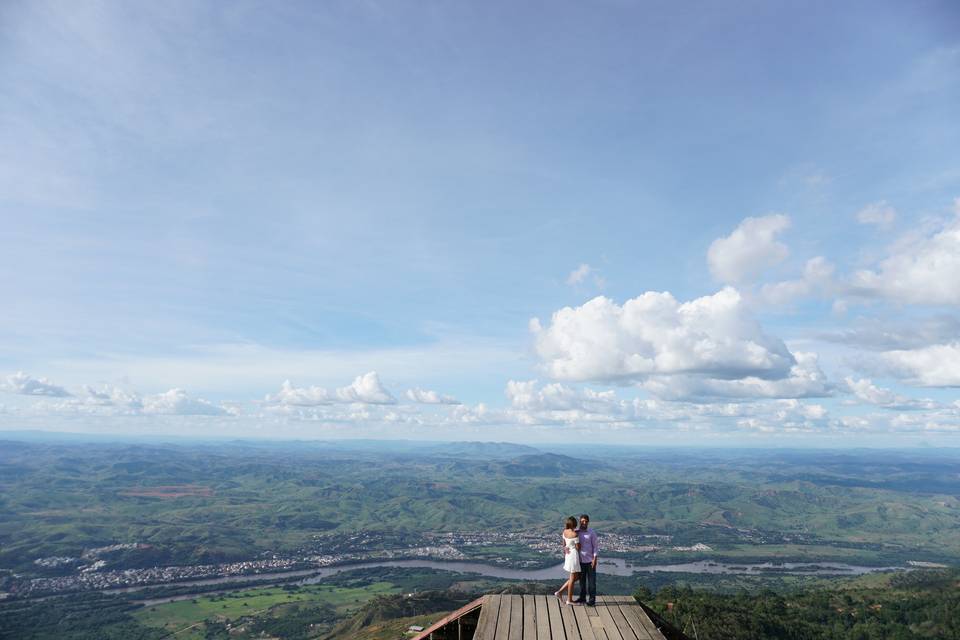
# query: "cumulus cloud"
{"type": "Point", "coordinates": [558, 397]}
{"type": "Point", "coordinates": [922, 268]}
{"type": "Point", "coordinates": [865, 391]}
{"type": "Point", "coordinates": [817, 278]}
{"type": "Point", "coordinates": [110, 401]}
{"type": "Point", "coordinates": [300, 397]}
{"type": "Point", "coordinates": [177, 402]}
{"type": "Point", "coordinates": [530, 405]}
{"type": "Point", "coordinates": [868, 393]}
{"type": "Point", "coordinates": [933, 366]}
{"type": "Point", "coordinates": [425, 396]}
{"type": "Point", "coordinates": [942, 419]}
{"type": "Point", "coordinates": [26, 385]}
{"type": "Point", "coordinates": [881, 335]}
{"type": "Point", "coordinates": [654, 334]}
{"type": "Point", "coordinates": [559, 404]}
{"type": "Point", "coordinates": [788, 416]}
{"type": "Point", "coordinates": [804, 380]}
{"type": "Point", "coordinates": [752, 247]}
{"type": "Point", "coordinates": [580, 275]}
{"type": "Point", "coordinates": [367, 389]}
{"type": "Point", "coordinates": [108, 396]}
{"type": "Point", "coordinates": [880, 214]}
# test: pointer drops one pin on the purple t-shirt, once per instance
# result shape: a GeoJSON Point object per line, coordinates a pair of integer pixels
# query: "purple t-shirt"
{"type": "Point", "coordinates": [589, 545]}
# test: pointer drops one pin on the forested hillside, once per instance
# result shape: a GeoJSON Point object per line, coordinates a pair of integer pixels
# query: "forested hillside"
{"type": "Point", "coordinates": [909, 605]}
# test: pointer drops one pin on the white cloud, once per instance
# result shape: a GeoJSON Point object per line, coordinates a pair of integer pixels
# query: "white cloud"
{"type": "Point", "coordinates": [654, 334]}
{"type": "Point", "coordinates": [579, 276]}
{"type": "Point", "coordinates": [248, 369]}
{"type": "Point", "coordinates": [942, 419]}
{"type": "Point", "coordinates": [752, 247]}
{"type": "Point", "coordinates": [178, 402]}
{"type": "Point", "coordinates": [865, 391]}
{"type": "Point", "coordinates": [531, 407]}
{"type": "Point", "coordinates": [881, 335]}
{"type": "Point", "coordinates": [805, 380]}
{"type": "Point", "coordinates": [926, 422]}
{"type": "Point", "coordinates": [23, 384]}
{"type": "Point", "coordinates": [817, 278]}
{"type": "Point", "coordinates": [922, 268]}
{"type": "Point", "coordinates": [787, 416]}
{"type": "Point", "coordinates": [933, 366]}
{"type": "Point", "coordinates": [557, 397]}
{"type": "Point", "coordinates": [426, 396]}
{"type": "Point", "coordinates": [366, 388]}
{"type": "Point", "coordinates": [868, 393]}
{"type": "Point", "coordinates": [109, 401]}
{"type": "Point", "coordinates": [300, 397]}
{"type": "Point", "coordinates": [113, 397]}
{"type": "Point", "coordinates": [880, 214]}
{"type": "Point", "coordinates": [559, 404]}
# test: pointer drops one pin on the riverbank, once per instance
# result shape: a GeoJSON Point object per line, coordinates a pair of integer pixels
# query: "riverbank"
{"type": "Point", "coordinates": [611, 566]}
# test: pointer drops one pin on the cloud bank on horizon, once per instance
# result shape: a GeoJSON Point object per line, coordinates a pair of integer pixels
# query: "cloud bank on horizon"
{"type": "Point", "coordinates": [402, 225]}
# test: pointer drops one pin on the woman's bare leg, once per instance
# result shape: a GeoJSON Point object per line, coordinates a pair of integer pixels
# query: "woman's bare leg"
{"type": "Point", "coordinates": [570, 581]}
{"type": "Point", "coordinates": [562, 588]}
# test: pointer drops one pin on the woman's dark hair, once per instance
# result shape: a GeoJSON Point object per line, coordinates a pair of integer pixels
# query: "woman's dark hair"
{"type": "Point", "coordinates": [571, 523]}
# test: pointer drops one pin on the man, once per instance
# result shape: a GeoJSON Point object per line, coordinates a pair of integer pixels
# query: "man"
{"type": "Point", "coordinates": [589, 546]}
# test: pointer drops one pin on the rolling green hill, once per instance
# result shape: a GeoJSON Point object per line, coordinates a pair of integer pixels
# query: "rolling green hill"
{"type": "Point", "coordinates": [229, 502]}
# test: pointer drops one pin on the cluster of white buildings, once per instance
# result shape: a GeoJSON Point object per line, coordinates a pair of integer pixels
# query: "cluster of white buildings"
{"type": "Point", "coordinates": [358, 547]}
{"type": "Point", "coordinates": [96, 580]}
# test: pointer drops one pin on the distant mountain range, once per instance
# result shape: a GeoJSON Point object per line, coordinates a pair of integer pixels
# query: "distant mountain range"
{"type": "Point", "coordinates": [480, 450]}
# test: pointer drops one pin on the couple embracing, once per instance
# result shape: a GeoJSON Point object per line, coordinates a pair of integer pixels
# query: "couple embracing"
{"type": "Point", "coordinates": [580, 561]}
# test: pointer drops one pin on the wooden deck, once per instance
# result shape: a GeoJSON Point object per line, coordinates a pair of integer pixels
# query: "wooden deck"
{"type": "Point", "coordinates": [547, 618]}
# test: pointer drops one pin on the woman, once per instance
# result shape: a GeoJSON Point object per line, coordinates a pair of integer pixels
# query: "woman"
{"type": "Point", "coordinates": [571, 558]}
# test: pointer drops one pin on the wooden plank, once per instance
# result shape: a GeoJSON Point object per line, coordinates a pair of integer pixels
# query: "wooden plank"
{"type": "Point", "coordinates": [487, 624]}
{"type": "Point", "coordinates": [583, 624]}
{"type": "Point", "coordinates": [614, 608]}
{"type": "Point", "coordinates": [642, 624]}
{"type": "Point", "coordinates": [543, 618]}
{"type": "Point", "coordinates": [603, 608]}
{"type": "Point", "coordinates": [634, 615]}
{"type": "Point", "coordinates": [516, 618]}
{"type": "Point", "coordinates": [503, 619]}
{"type": "Point", "coordinates": [597, 625]}
{"type": "Point", "coordinates": [651, 626]}
{"type": "Point", "coordinates": [556, 622]}
{"type": "Point", "coordinates": [570, 621]}
{"type": "Point", "coordinates": [529, 618]}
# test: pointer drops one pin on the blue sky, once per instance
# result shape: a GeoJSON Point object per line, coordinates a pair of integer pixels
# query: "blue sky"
{"type": "Point", "coordinates": [201, 201]}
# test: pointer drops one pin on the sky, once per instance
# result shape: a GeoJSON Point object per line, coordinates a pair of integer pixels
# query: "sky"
{"type": "Point", "coordinates": [718, 224]}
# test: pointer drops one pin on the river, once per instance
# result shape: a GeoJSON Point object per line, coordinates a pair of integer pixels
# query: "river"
{"type": "Point", "coordinates": [614, 566]}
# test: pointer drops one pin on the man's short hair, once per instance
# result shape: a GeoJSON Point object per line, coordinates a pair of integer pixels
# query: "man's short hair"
{"type": "Point", "coordinates": [583, 515]}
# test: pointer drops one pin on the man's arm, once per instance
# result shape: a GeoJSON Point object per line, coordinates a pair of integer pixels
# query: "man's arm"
{"type": "Point", "coordinates": [596, 548]}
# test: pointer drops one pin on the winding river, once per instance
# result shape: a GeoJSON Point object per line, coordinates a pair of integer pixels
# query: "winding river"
{"type": "Point", "coordinates": [614, 566]}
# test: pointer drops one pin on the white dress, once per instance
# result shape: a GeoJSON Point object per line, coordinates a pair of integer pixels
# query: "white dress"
{"type": "Point", "coordinates": [571, 559]}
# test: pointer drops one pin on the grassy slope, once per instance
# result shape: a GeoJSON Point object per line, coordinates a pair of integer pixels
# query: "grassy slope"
{"type": "Point", "coordinates": [395, 628]}
{"type": "Point", "coordinates": [189, 614]}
